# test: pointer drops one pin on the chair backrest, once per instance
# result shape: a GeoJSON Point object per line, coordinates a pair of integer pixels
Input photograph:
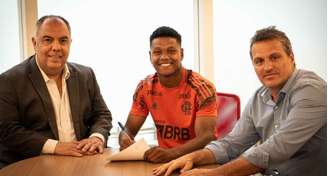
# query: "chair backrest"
{"type": "Point", "coordinates": [228, 113]}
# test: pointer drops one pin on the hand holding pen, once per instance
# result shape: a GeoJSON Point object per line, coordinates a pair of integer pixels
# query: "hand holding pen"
{"type": "Point", "coordinates": [125, 140]}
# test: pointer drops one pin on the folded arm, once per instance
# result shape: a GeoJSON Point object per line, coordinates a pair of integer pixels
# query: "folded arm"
{"type": "Point", "coordinates": [204, 129]}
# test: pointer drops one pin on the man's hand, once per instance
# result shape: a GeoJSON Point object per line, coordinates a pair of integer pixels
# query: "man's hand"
{"type": "Point", "coordinates": [68, 148]}
{"type": "Point", "coordinates": [200, 172]}
{"type": "Point", "coordinates": [124, 140]}
{"type": "Point", "coordinates": [91, 145]}
{"type": "Point", "coordinates": [184, 163]}
{"type": "Point", "coordinates": [160, 155]}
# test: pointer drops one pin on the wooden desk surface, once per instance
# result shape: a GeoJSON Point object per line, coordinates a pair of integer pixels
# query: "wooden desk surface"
{"type": "Point", "coordinates": [96, 165]}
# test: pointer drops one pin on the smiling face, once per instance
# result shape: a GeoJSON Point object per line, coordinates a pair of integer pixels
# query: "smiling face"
{"type": "Point", "coordinates": [166, 55]}
{"type": "Point", "coordinates": [51, 44]}
{"type": "Point", "coordinates": [272, 64]}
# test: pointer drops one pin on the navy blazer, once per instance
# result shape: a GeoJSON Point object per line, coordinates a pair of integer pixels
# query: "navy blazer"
{"type": "Point", "coordinates": [27, 117]}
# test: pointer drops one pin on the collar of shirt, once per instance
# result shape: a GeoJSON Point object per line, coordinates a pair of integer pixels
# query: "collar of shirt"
{"type": "Point", "coordinates": [66, 72]}
{"type": "Point", "coordinates": [266, 93]}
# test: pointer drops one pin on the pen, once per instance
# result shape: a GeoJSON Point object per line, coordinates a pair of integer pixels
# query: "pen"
{"type": "Point", "coordinates": [123, 130]}
{"type": "Point", "coordinates": [121, 126]}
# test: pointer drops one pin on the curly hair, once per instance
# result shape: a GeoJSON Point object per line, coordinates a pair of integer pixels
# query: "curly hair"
{"type": "Point", "coordinates": [165, 31]}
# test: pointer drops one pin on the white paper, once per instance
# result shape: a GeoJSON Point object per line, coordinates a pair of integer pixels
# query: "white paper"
{"type": "Point", "coordinates": [135, 151]}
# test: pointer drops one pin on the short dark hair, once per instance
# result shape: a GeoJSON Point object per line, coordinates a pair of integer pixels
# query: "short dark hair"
{"type": "Point", "coordinates": [271, 33]}
{"type": "Point", "coordinates": [42, 19]}
{"type": "Point", "coordinates": [165, 31]}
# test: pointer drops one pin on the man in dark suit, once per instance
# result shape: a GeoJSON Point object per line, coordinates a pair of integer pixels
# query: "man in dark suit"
{"type": "Point", "coordinates": [48, 105]}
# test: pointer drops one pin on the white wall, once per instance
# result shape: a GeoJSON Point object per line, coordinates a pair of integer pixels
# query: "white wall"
{"type": "Point", "coordinates": [113, 38]}
{"type": "Point", "coordinates": [115, 31]}
{"type": "Point", "coordinates": [9, 43]}
{"type": "Point", "coordinates": [235, 22]}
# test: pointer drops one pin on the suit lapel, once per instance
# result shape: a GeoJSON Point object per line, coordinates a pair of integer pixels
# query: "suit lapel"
{"type": "Point", "coordinates": [41, 88]}
{"type": "Point", "coordinates": [73, 92]}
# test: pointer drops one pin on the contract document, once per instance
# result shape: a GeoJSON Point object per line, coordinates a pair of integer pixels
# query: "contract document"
{"type": "Point", "coordinates": [135, 151]}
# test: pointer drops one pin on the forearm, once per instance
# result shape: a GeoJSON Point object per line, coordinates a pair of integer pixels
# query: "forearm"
{"type": "Point", "coordinates": [100, 116]}
{"type": "Point", "coordinates": [202, 157]}
{"type": "Point", "coordinates": [158, 154]}
{"type": "Point", "coordinates": [100, 119]}
{"type": "Point", "coordinates": [101, 125]}
{"type": "Point", "coordinates": [204, 129]}
{"type": "Point", "coordinates": [16, 136]}
{"type": "Point", "coordinates": [238, 167]}
{"type": "Point", "coordinates": [133, 124]}
{"type": "Point", "coordinates": [197, 143]}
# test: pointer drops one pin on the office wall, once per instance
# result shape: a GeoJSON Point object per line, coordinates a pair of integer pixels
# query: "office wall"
{"type": "Point", "coordinates": [112, 37]}
{"type": "Point", "coordinates": [9, 31]}
{"type": "Point", "coordinates": [235, 22]}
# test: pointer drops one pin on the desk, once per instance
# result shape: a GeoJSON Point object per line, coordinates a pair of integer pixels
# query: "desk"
{"type": "Point", "coordinates": [96, 165]}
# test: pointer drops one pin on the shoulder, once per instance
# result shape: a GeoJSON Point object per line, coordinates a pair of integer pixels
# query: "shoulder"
{"type": "Point", "coordinates": [20, 68]}
{"type": "Point", "coordinates": [200, 84]}
{"type": "Point", "coordinates": [19, 72]}
{"type": "Point", "coordinates": [205, 90]}
{"type": "Point", "coordinates": [145, 84]}
{"type": "Point", "coordinates": [78, 68]}
{"type": "Point", "coordinates": [16, 78]}
{"type": "Point", "coordinates": [308, 86]}
{"type": "Point", "coordinates": [83, 72]}
{"type": "Point", "coordinates": [148, 81]}
{"type": "Point", "coordinates": [305, 78]}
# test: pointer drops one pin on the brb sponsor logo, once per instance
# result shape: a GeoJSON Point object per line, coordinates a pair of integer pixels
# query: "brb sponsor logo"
{"type": "Point", "coordinates": [172, 132]}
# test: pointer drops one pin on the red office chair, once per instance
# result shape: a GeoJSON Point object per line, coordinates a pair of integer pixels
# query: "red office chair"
{"type": "Point", "coordinates": [228, 113]}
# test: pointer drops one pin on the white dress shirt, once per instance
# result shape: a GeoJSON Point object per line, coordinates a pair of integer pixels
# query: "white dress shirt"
{"type": "Point", "coordinates": [62, 110]}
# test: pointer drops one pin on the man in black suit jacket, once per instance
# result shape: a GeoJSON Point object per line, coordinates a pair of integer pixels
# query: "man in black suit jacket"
{"type": "Point", "coordinates": [48, 105]}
